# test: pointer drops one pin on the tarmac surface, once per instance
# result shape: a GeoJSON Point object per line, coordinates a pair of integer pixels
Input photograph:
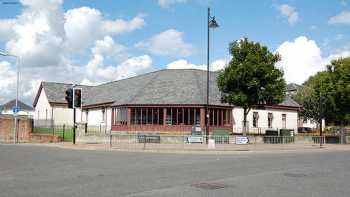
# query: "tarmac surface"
{"type": "Point", "coordinates": [33, 170]}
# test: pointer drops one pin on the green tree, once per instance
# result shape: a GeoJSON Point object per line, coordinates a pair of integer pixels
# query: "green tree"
{"type": "Point", "coordinates": [334, 85]}
{"type": "Point", "coordinates": [251, 78]}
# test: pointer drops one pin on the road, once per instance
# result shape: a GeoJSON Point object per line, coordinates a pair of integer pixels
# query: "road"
{"type": "Point", "coordinates": [27, 170]}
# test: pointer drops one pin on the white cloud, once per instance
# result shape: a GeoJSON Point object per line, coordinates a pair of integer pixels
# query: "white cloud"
{"type": "Point", "coordinates": [109, 48]}
{"type": "Point", "coordinates": [289, 12]}
{"type": "Point", "coordinates": [6, 29]}
{"type": "Point", "coordinates": [341, 18]}
{"type": "Point", "coordinates": [184, 64]}
{"type": "Point", "coordinates": [9, 77]}
{"type": "Point", "coordinates": [301, 58]}
{"type": "Point", "coordinates": [48, 39]}
{"type": "Point", "coordinates": [167, 43]}
{"type": "Point", "coordinates": [168, 3]}
{"type": "Point", "coordinates": [84, 25]}
{"type": "Point", "coordinates": [97, 70]}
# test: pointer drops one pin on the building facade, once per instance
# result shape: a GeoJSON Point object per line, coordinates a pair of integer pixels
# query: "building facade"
{"type": "Point", "coordinates": [165, 101]}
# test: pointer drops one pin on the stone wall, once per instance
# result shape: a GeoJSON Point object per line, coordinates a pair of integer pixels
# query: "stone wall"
{"type": "Point", "coordinates": [24, 128]}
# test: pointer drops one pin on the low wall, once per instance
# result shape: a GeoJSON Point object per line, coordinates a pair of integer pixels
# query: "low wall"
{"type": "Point", "coordinates": [44, 138]}
{"type": "Point", "coordinates": [24, 128]}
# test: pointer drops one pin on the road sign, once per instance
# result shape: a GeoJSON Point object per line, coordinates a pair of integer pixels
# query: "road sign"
{"type": "Point", "coordinates": [15, 109]}
{"type": "Point", "coordinates": [242, 140]}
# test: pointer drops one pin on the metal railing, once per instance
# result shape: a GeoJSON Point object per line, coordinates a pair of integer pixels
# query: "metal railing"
{"type": "Point", "coordinates": [63, 131]}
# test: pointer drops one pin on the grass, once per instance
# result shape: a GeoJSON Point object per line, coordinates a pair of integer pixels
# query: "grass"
{"type": "Point", "coordinates": [66, 133]}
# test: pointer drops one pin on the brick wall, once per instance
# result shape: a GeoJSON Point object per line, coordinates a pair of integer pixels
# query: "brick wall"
{"type": "Point", "coordinates": [24, 128]}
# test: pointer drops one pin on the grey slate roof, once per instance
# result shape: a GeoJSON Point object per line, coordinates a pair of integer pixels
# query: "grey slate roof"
{"type": "Point", "coordinates": [169, 86]}
{"type": "Point", "coordinates": [22, 106]}
{"type": "Point", "coordinates": [180, 86]}
{"type": "Point", "coordinates": [293, 87]}
{"type": "Point", "coordinates": [56, 92]}
{"type": "Point", "coordinates": [288, 101]}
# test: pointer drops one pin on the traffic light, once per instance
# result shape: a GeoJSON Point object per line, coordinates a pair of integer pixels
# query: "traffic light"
{"type": "Point", "coordinates": [77, 98]}
{"type": "Point", "coordinates": [69, 97]}
{"type": "Point", "coordinates": [322, 106]}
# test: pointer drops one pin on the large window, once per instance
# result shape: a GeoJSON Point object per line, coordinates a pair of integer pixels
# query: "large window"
{"type": "Point", "coordinates": [284, 121]}
{"type": "Point", "coordinates": [173, 116]}
{"type": "Point", "coordinates": [255, 119]}
{"type": "Point", "coordinates": [269, 120]}
{"type": "Point", "coordinates": [220, 117]}
{"type": "Point", "coordinates": [121, 116]}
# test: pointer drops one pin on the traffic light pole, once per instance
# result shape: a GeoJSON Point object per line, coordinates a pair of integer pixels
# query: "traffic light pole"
{"type": "Point", "coordinates": [74, 125]}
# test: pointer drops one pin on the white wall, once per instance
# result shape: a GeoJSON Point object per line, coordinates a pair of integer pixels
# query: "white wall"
{"type": "Point", "coordinates": [95, 117]}
{"type": "Point", "coordinates": [64, 115]}
{"type": "Point", "coordinates": [291, 119]}
{"type": "Point", "coordinates": [60, 114]}
{"type": "Point", "coordinates": [42, 108]}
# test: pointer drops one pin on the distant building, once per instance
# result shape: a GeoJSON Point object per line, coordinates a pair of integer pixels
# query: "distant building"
{"type": "Point", "coordinates": [161, 101]}
{"type": "Point", "coordinates": [25, 109]}
{"type": "Point", "coordinates": [292, 89]}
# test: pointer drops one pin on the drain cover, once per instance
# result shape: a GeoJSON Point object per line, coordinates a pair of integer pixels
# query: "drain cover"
{"type": "Point", "coordinates": [209, 186]}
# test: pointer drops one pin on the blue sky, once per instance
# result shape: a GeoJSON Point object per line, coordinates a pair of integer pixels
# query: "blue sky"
{"type": "Point", "coordinates": [123, 38]}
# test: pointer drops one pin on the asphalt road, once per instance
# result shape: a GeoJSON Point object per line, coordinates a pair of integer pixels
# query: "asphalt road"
{"type": "Point", "coordinates": [48, 171]}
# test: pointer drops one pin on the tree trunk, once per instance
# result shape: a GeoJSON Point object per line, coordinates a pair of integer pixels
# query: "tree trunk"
{"type": "Point", "coordinates": [245, 121]}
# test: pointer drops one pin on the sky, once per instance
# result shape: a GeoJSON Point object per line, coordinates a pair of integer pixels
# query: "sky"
{"type": "Point", "coordinates": [96, 41]}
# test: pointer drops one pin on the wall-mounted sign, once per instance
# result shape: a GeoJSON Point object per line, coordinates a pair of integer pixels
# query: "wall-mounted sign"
{"type": "Point", "coordinates": [242, 140]}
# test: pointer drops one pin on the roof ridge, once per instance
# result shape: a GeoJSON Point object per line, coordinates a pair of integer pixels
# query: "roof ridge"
{"type": "Point", "coordinates": [53, 82]}
{"type": "Point", "coordinates": [155, 71]}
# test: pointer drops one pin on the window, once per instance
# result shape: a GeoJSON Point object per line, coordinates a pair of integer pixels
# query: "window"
{"type": "Point", "coordinates": [121, 116]}
{"type": "Point", "coordinates": [103, 114]}
{"type": "Point", "coordinates": [255, 119]}
{"type": "Point", "coordinates": [269, 120]}
{"type": "Point", "coordinates": [284, 121]}
{"type": "Point", "coordinates": [168, 119]}
{"type": "Point", "coordinates": [38, 115]}
{"type": "Point", "coordinates": [46, 114]}
{"type": "Point", "coordinates": [87, 115]}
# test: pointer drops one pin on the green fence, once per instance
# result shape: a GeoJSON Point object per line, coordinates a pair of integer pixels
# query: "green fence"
{"type": "Point", "coordinates": [64, 131]}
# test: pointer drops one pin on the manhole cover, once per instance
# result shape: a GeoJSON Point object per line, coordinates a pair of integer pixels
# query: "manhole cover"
{"type": "Point", "coordinates": [295, 175]}
{"type": "Point", "coordinates": [209, 186]}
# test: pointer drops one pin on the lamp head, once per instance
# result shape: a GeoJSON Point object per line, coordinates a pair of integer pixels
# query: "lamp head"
{"type": "Point", "coordinates": [213, 23]}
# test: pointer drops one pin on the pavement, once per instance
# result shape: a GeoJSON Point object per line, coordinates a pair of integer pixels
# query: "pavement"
{"type": "Point", "coordinates": [51, 170]}
{"type": "Point", "coordinates": [202, 148]}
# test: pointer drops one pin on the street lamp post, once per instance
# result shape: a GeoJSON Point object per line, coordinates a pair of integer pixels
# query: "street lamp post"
{"type": "Point", "coordinates": [211, 23]}
{"type": "Point", "coordinates": [17, 91]}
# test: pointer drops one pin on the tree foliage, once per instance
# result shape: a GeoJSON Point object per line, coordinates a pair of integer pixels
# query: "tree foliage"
{"type": "Point", "coordinates": [334, 85]}
{"type": "Point", "coordinates": [251, 78]}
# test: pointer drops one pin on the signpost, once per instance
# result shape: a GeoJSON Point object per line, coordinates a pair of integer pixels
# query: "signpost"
{"type": "Point", "coordinates": [15, 110]}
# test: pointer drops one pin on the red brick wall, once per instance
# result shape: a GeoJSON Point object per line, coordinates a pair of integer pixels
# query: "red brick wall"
{"type": "Point", "coordinates": [24, 128]}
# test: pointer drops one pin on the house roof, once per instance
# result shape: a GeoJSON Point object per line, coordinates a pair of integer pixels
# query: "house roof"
{"type": "Point", "coordinates": [168, 86]}
{"type": "Point", "coordinates": [293, 87]}
{"type": "Point", "coordinates": [56, 92]}
{"type": "Point", "coordinates": [289, 102]}
{"type": "Point", "coordinates": [22, 106]}
{"type": "Point", "coordinates": [171, 86]}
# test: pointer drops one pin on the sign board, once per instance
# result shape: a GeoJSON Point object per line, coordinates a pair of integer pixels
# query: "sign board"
{"type": "Point", "coordinates": [242, 140]}
{"type": "Point", "coordinates": [15, 109]}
